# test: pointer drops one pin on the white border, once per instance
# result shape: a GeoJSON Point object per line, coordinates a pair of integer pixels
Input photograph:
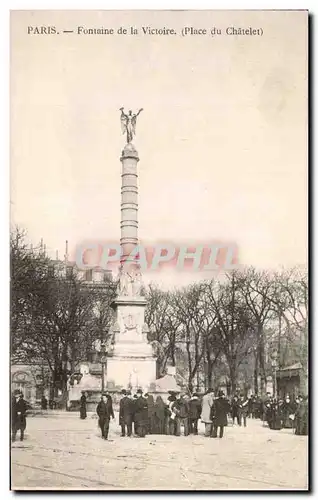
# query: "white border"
{"type": "Point", "coordinates": [5, 7]}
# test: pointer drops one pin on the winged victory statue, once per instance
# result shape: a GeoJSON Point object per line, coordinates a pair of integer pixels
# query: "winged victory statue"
{"type": "Point", "coordinates": [128, 123]}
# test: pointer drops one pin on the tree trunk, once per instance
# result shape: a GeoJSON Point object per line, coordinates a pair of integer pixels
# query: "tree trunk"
{"type": "Point", "coordinates": [256, 375]}
{"type": "Point", "coordinates": [209, 370]}
{"type": "Point", "coordinates": [190, 374]}
{"type": "Point", "coordinates": [232, 377]}
{"type": "Point", "coordinates": [198, 381]}
{"type": "Point", "coordinates": [261, 358]}
{"type": "Point", "coordinates": [53, 384]}
{"type": "Point", "coordinates": [158, 368]}
{"type": "Point", "coordinates": [173, 354]}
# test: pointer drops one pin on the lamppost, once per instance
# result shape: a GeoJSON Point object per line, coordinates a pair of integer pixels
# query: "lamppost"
{"type": "Point", "coordinates": [103, 361]}
{"type": "Point", "coordinates": [274, 367]}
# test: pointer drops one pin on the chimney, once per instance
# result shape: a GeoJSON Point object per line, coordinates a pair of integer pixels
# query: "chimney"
{"type": "Point", "coordinates": [66, 252]}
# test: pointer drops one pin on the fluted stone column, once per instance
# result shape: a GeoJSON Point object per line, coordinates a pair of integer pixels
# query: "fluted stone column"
{"type": "Point", "coordinates": [129, 203]}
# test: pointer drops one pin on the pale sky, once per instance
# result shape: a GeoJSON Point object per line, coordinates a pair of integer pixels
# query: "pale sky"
{"type": "Point", "coordinates": [222, 139]}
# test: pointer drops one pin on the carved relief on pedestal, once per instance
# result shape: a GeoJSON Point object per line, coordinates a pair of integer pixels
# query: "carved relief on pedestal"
{"type": "Point", "coordinates": [130, 321]}
{"type": "Point", "coordinates": [131, 326]}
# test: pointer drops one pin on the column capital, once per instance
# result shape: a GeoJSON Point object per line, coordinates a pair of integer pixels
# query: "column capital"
{"type": "Point", "coordinates": [129, 151]}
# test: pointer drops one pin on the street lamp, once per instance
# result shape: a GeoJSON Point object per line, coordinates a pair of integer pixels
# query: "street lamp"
{"type": "Point", "coordinates": [274, 367]}
{"type": "Point", "coordinates": [103, 361]}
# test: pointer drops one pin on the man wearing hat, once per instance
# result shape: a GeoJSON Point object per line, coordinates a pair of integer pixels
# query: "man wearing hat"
{"type": "Point", "coordinates": [19, 409]}
{"type": "Point", "coordinates": [301, 416]}
{"type": "Point", "coordinates": [134, 398]}
{"type": "Point", "coordinates": [105, 412]}
{"type": "Point", "coordinates": [141, 414]}
{"type": "Point", "coordinates": [181, 410]}
{"type": "Point", "coordinates": [195, 409]}
{"type": "Point", "coordinates": [243, 410]}
{"type": "Point", "coordinates": [171, 416]}
{"type": "Point", "coordinates": [126, 413]}
{"type": "Point", "coordinates": [219, 414]}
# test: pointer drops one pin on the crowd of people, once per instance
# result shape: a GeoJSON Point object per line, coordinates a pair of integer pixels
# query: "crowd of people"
{"type": "Point", "coordinates": [141, 414]}
{"type": "Point", "coordinates": [285, 413]}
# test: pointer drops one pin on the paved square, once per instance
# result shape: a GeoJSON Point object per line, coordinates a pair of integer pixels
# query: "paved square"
{"type": "Point", "coordinates": [63, 452]}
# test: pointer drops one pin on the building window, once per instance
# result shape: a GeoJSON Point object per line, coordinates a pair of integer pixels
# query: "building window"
{"type": "Point", "coordinates": [38, 392]}
{"type": "Point", "coordinates": [19, 386]}
{"type": "Point", "coordinates": [106, 276]}
{"type": "Point", "coordinates": [88, 276]}
{"type": "Point", "coordinates": [51, 271]}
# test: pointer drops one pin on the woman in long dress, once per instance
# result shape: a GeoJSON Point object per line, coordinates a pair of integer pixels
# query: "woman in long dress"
{"type": "Point", "coordinates": [277, 416]}
{"type": "Point", "coordinates": [160, 416]}
{"type": "Point", "coordinates": [151, 413]}
{"type": "Point", "coordinates": [83, 413]}
{"type": "Point", "coordinates": [288, 409]}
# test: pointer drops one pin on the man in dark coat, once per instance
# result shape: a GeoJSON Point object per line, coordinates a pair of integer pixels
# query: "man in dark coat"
{"type": "Point", "coordinates": [141, 414]}
{"type": "Point", "coordinates": [220, 409]}
{"type": "Point", "coordinates": [181, 410]}
{"type": "Point", "coordinates": [235, 407]}
{"type": "Point", "coordinates": [243, 409]}
{"type": "Point", "coordinates": [301, 417]}
{"type": "Point", "coordinates": [105, 412]}
{"type": "Point", "coordinates": [195, 409]}
{"type": "Point", "coordinates": [19, 409]}
{"type": "Point", "coordinates": [43, 403]}
{"type": "Point", "coordinates": [83, 413]}
{"type": "Point", "coordinates": [126, 413]}
{"type": "Point", "coordinates": [133, 402]}
{"type": "Point", "coordinates": [276, 416]}
{"type": "Point", "coordinates": [256, 407]}
{"type": "Point", "coordinates": [267, 408]}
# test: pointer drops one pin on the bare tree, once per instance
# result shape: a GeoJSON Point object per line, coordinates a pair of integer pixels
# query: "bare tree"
{"type": "Point", "coordinates": [28, 269]}
{"type": "Point", "coordinates": [257, 288]}
{"type": "Point", "coordinates": [53, 315]}
{"type": "Point", "coordinates": [163, 325]}
{"type": "Point", "coordinates": [291, 303]}
{"type": "Point", "coordinates": [211, 345]}
{"type": "Point", "coordinates": [234, 326]}
{"type": "Point", "coordinates": [190, 309]}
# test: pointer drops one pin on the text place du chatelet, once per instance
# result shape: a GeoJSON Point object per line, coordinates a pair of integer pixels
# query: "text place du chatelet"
{"type": "Point", "coordinates": [165, 31]}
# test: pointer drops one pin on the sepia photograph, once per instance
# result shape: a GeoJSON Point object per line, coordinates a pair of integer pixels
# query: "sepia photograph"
{"type": "Point", "coordinates": [159, 302]}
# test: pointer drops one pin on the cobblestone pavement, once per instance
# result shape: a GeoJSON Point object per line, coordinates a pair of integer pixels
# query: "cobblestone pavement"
{"type": "Point", "coordinates": [64, 452]}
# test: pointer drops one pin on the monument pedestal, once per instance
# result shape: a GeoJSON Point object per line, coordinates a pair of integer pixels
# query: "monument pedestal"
{"type": "Point", "coordinates": [131, 363]}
